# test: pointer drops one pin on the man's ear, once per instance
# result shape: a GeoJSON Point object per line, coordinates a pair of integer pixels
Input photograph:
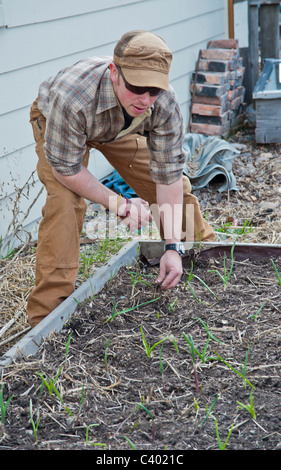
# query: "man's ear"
{"type": "Point", "coordinates": [113, 72]}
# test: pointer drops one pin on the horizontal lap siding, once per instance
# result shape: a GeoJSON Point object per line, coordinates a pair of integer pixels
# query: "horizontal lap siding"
{"type": "Point", "coordinates": [43, 37]}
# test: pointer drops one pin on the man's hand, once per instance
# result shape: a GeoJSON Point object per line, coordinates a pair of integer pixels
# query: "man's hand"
{"type": "Point", "coordinates": [134, 213]}
{"type": "Point", "coordinates": [170, 270]}
{"type": "Point", "coordinates": [169, 199]}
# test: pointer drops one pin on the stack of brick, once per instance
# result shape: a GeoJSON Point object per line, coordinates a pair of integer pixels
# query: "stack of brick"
{"type": "Point", "coordinates": [218, 93]}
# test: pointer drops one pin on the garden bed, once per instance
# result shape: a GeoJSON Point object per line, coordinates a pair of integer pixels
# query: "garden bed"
{"type": "Point", "coordinates": [127, 374]}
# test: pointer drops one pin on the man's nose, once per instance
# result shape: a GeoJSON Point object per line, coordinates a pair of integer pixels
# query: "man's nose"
{"type": "Point", "coordinates": [145, 98]}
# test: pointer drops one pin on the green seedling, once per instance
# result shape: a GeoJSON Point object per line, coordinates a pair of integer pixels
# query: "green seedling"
{"type": "Point", "coordinates": [244, 367]}
{"type": "Point", "coordinates": [50, 384]}
{"type": "Point", "coordinates": [105, 355]}
{"type": "Point", "coordinates": [139, 405]}
{"type": "Point", "coordinates": [229, 228]}
{"type": "Point", "coordinates": [175, 344]}
{"type": "Point", "coordinates": [246, 228]}
{"type": "Point", "coordinates": [9, 251]}
{"type": "Point", "coordinates": [249, 407]}
{"type": "Point", "coordinates": [172, 305]}
{"type": "Point", "coordinates": [126, 310]}
{"type": "Point", "coordinates": [257, 312]}
{"type": "Point", "coordinates": [67, 345]}
{"type": "Point", "coordinates": [147, 346]}
{"type": "Point", "coordinates": [99, 444]}
{"type": "Point", "coordinates": [3, 405]}
{"type": "Point", "coordinates": [193, 352]}
{"type": "Point", "coordinates": [241, 374]}
{"type": "Point", "coordinates": [105, 360]}
{"type": "Point", "coordinates": [222, 446]}
{"type": "Point", "coordinates": [137, 278]}
{"type": "Point", "coordinates": [35, 425]}
{"type": "Point", "coordinates": [203, 356]}
{"type": "Point", "coordinates": [277, 272]}
{"type": "Point", "coordinates": [96, 444]}
{"type": "Point", "coordinates": [98, 254]}
{"type": "Point", "coordinates": [188, 283]}
{"type": "Point", "coordinates": [86, 263]}
{"type": "Point", "coordinates": [196, 405]}
{"type": "Point", "coordinates": [130, 443]}
{"type": "Point", "coordinates": [209, 411]}
{"type": "Point", "coordinates": [225, 277]}
{"type": "Point", "coordinates": [81, 405]}
{"type": "Point", "coordinates": [209, 332]}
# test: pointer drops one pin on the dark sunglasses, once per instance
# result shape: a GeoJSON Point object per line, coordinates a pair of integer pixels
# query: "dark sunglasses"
{"type": "Point", "coordinates": [140, 90]}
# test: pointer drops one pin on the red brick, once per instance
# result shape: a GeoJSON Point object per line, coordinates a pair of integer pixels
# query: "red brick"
{"type": "Point", "coordinates": [207, 119]}
{"type": "Point", "coordinates": [219, 54]}
{"type": "Point", "coordinates": [206, 109]}
{"type": "Point", "coordinates": [210, 90]}
{"type": "Point", "coordinates": [209, 129]}
{"type": "Point", "coordinates": [213, 100]}
{"type": "Point", "coordinates": [212, 78]}
{"type": "Point", "coordinates": [213, 65]}
{"type": "Point", "coordinates": [236, 103]}
{"type": "Point", "coordinates": [223, 44]}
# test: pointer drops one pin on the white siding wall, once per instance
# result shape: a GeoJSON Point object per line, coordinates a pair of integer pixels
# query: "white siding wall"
{"type": "Point", "coordinates": [38, 38]}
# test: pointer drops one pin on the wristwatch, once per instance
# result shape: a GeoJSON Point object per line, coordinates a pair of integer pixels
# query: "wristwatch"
{"type": "Point", "coordinates": [179, 247]}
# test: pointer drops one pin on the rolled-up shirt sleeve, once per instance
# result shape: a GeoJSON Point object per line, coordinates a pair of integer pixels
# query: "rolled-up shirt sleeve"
{"type": "Point", "coordinates": [165, 141]}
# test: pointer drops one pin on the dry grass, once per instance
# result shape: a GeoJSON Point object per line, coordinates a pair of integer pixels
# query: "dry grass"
{"type": "Point", "coordinates": [16, 281]}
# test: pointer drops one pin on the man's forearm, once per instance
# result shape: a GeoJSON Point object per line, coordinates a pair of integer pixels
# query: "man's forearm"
{"type": "Point", "coordinates": [134, 213]}
{"type": "Point", "coordinates": [170, 201]}
{"type": "Point", "coordinates": [87, 186]}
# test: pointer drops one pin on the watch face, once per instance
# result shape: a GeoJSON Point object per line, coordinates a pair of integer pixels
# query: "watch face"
{"type": "Point", "coordinates": [181, 248]}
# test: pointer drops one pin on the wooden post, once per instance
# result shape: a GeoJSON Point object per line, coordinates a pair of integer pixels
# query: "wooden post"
{"type": "Point", "coordinates": [230, 19]}
{"type": "Point", "coordinates": [269, 26]}
{"type": "Point", "coordinates": [253, 20]}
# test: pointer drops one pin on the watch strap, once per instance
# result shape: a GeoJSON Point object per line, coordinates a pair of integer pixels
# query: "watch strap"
{"type": "Point", "coordinates": [176, 247]}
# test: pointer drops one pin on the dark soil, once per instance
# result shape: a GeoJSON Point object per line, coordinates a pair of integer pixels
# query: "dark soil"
{"type": "Point", "coordinates": [113, 395]}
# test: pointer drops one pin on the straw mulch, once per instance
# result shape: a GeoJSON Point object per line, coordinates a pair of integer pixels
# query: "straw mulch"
{"type": "Point", "coordinates": [16, 281]}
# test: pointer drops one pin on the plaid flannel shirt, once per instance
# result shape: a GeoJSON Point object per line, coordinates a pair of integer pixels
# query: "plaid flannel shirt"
{"type": "Point", "coordinates": [80, 105]}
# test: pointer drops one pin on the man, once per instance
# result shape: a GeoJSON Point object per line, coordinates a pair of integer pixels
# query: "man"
{"type": "Point", "coordinates": [126, 109]}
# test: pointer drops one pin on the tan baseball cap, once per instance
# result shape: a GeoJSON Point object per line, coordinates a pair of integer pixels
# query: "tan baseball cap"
{"type": "Point", "coordinates": [144, 58]}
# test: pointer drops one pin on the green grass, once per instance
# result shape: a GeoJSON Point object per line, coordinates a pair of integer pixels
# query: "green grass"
{"type": "Point", "coordinates": [97, 254]}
